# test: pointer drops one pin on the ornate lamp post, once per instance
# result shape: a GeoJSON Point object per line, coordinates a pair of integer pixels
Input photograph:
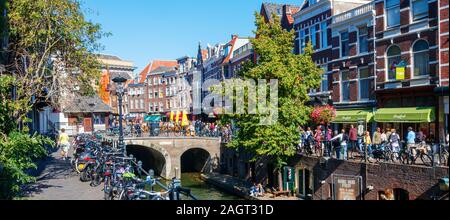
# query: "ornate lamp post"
{"type": "Point", "coordinates": [120, 91]}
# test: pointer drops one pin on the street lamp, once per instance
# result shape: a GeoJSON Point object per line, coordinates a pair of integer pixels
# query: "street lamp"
{"type": "Point", "coordinates": [92, 105]}
{"type": "Point", "coordinates": [120, 91]}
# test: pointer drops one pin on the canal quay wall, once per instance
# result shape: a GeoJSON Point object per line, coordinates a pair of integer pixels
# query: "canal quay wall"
{"type": "Point", "coordinates": [237, 187]}
{"type": "Point", "coordinates": [408, 182]}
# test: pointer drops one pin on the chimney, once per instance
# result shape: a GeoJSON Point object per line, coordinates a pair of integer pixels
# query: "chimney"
{"type": "Point", "coordinates": [286, 10]}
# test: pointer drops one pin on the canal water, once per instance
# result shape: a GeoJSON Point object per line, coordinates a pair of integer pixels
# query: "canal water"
{"type": "Point", "coordinates": [201, 190]}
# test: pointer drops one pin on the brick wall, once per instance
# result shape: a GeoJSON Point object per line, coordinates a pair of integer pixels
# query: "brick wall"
{"type": "Point", "coordinates": [444, 41]}
{"type": "Point", "coordinates": [419, 182]}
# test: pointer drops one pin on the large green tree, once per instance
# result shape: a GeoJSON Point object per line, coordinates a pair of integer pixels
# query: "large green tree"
{"type": "Point", "coordinates": [51, 51]}
{"type": "Point", "coordinates": [296, 75]}
{"type": "Point", "coordinates": [50, 54]}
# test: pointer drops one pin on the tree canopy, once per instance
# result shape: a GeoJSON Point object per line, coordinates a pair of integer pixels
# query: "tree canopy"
{"type": "Point", "coordinates": [296, 75]}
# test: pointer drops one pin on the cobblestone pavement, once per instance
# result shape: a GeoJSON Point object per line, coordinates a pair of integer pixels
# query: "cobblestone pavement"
{"type": "Point", "coordinates": [57, 181]}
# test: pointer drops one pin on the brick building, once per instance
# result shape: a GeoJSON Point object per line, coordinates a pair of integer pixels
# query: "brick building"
{"type": "Point", "coordinates": [312, 25]}
{"type": "Point", "coordinates": [407, 65]}
{"type": "Point", "coordinates": [136, 99]}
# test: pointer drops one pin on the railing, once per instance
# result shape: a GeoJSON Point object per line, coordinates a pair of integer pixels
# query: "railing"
{"type": "Point", "coordinates": [354, 12]}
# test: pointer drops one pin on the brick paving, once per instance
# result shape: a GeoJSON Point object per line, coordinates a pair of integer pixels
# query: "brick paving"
{"type": "Point", "coordinates": [57, 181]}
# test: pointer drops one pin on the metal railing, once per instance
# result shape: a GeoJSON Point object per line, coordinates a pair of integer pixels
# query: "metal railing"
{"type": "Point", "coordinates": [354, 12]}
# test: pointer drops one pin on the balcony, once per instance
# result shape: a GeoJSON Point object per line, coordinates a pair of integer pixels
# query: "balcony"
{"type": "Point", "coordinates": [358, 11]}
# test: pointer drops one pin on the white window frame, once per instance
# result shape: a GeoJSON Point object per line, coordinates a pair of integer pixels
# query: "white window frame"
{"type": "Point", "coordinates": [411, 11]}
{"type": "Point", "coordinates": [359, 82]}
{"type": "Point", "coordinates": [342, 86]}
{"type": "Point", "coordinates": [312, 35]}
{"type": "Point", "coordinates": [387, 61]}
{"type": "Point", "coordinates": [358, 39]}
{"type": "Point", "coordinates": [340, 43]}
{"type": "Point", "coordinates": [323, 33]}
{"type": "Point", "coordinates": [386, 15]}
{"type": "Point", "coordinates": [413, 75]}
{"type": "Point", "coordinates": [302, 39]}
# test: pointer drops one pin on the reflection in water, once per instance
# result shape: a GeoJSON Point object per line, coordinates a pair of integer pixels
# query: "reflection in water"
{"type": "Point", "coordinates": [202, 190]}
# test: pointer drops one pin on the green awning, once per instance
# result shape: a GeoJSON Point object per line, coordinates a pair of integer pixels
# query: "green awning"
{"type": "Point", "coordinates": [152, 118]}
{"type": "Point", "coordinates": [353, 116]}
{"type": "Point", "coordinates": [405, 115]}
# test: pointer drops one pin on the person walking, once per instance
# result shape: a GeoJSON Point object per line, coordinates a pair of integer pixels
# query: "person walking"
{"type": "Point", "coordinates": [368, 143]}
{"type": "Point", "coordinates": [353, 136]}
{"type": "Point", "coordinates": [318, 137]}
{"type": "Point", "coordinates": [377, 140]}
{"type": "Point", "coordinates": [343, 139]}
{"type": "Point", "coordinates": [336, 145]}
{"type": "Point", "coordinates": [394, 139]}
{"type": "Point", "coordinates": [411, 141]}
{"type": "Point", "coordinates": [63, 143]}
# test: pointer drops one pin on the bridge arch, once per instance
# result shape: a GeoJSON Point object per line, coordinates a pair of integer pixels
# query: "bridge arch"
{"type": "Point", "coordinates": [194, 160]}
{"type": "Point", "coordinates": [173, 149]}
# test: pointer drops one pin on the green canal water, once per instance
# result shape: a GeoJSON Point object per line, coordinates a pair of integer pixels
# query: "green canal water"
{"type": "Point", "coordinates": [202, 190]}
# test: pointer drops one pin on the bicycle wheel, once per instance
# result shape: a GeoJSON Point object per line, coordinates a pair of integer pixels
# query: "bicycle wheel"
{"type": "Point", "coordinates": [426, 160]}
{"type": "Point", "coordinates": [107, 193]}
{"type": "Point", "coordinates": [443, 158]}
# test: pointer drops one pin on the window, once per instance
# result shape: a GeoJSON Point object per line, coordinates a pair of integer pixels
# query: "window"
{"type": "Point", "coordinates": [365, 83]}
{"type": "Point", "coordinates": [131, 103]}
{"type": "Point", "coordinates": [324, 85]}
{"type": "Point", "coordinates": [150, 109]}
{"type": "Point", "coordinates": [142, 104]}
{"type": "Point", "coordinates": [419, 9]}
{"type": "Point", "coordinates": [313, 36]}
{"type": "Point", "coordinates": [344, 44]}
{"type": "Point", "coordinates": [393, 58]}
{"type": "Point", "coordinates": [363, 40]}
{"type": "Point", "coordinates": [302, 41]}
{"type": "Point", "coordinates": [421, 58]}
{"type": "Point", "coordinates": [323, 35]}
{"type": "Point", "coordinates": [312, 2]}
{"type": "Point", "coordinates": [392, 13]}
{"type": "Point", "coordinates": [345, 86]}
{"type": "Point", "coordinates": [136, 104]}
{"type": "Point", "coordinates": [155, 81]}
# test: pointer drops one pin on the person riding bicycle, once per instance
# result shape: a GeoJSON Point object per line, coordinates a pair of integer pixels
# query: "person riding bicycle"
{"type": "Point", "coordinates": [411, 141]}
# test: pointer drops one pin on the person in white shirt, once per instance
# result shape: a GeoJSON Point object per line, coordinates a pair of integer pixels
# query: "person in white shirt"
{"type": "Point", "coordinates": [343, 138]}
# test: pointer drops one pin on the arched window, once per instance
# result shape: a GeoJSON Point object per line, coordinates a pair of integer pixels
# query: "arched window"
{"type": "Point", "coordinates": [421, 58]}
{"type": "Point", "coordinates": [393, 58]}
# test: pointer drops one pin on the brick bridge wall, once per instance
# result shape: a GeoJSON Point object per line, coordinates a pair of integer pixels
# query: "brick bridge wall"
{"type": "Point", "coordinates": [173, 148]}
{"type": "Point", "coordinates": [420, 182]}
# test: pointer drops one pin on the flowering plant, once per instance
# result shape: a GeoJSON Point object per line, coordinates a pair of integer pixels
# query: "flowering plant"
{"type": "Point", "coordinates": [323, 114]}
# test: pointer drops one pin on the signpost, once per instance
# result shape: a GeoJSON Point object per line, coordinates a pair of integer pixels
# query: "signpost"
{"type": "Point", "coordinates": [347, 187]}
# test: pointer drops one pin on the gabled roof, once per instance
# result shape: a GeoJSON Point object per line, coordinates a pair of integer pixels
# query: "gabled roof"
{"type": "Point", "coordinates": [81, 105]}
{"type": "Point", "coordinates": [162, 69]}
{"type": "Point", "coordinates": [294, 9]}
{"type": "Point", "coordinates": [155, 65]}
{"type": "Point", "coordinates": [232, 43]}
{"type": "Point", "coordinates": [272, 8]}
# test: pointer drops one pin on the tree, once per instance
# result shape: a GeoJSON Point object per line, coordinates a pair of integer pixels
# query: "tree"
{"type": "Point", "coordinates": [50, 51]}
{"type": "Point", "coordinates": [296, 74]}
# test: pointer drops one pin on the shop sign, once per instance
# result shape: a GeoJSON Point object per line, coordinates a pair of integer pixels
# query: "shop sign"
{"type": "Point", "coordinates": [400, 116]}
{"type": "Point", "coordinates": [400, 70]}
{"type": "Point", "coordinates": [347, 187]}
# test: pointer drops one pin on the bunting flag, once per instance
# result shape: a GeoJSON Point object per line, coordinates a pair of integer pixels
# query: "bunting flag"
{"type": "Point", "coordinates": [171, 116]}
{"type": "Point", "coordinates": [177, 117]}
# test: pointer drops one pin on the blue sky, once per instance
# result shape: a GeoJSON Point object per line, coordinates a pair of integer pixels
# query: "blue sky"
{"type": "Point", "coordinates": [143, 30]}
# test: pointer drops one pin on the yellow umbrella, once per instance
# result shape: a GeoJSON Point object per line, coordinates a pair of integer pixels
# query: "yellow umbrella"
{"type": "Point", "coordinates": [171, 116]}
{"type": "Point", "coordinates": [177, 117]}
{"type": "Point", "coordinates": [184, 121]}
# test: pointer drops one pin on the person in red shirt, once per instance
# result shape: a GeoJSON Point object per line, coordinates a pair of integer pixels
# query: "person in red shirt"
{"type": "Point", "coordinates": [353, 136]}
{"type": "Point", "coordinates": [318, 137]}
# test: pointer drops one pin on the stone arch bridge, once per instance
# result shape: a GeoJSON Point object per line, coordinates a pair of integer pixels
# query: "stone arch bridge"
{"type": "Point", "coordinates": [169, 156]}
